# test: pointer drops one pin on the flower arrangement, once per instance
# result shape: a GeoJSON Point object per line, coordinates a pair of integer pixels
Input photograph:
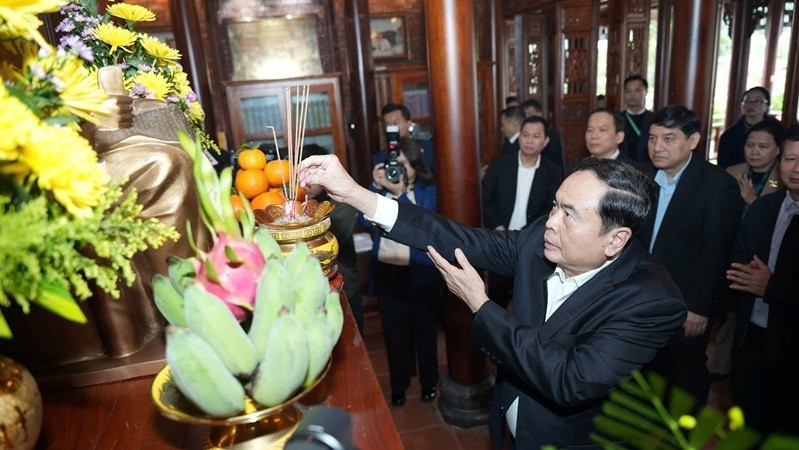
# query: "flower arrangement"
{"type": "Point", "coordinates": [150, 67]}
{"type": "Point", "coordinates": [63, 225]}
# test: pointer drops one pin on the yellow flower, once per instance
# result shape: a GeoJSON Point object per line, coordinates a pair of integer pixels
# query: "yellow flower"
{"type": "Point", "coordinates": [65, 163]}
{"type": "Point", "coordinates": [156, 85]}
{"type": "Point", "coordinates": [687, 422]}
{"type": "Point", "coordinates": [181, 82]}
{"type": "Point", "coordinates": [736, 416]}
{"type": "Point", "coordinates": [18, 18]}
{"type": "Point", "coordinates": [132, 13]}
{"type": "Point", "coordinates": [158, 49]}
{"type": "Point", "coordinates": [17, 122]}
{"type": "Point", "coordinates": [115, 36]}
{"type": "Point", "coordinates": [79, 93]}
{"type": "Point", "coordinates": [196, 112]}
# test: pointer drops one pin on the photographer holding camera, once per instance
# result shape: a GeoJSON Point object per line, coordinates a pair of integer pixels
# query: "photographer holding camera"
{"type": "Point", "coordinates": [407, 285]}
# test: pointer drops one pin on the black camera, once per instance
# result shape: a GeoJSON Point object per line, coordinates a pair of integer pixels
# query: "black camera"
{"type": "Point", "coordinates": [394, 170]}
{"type": "Point", "coordinates": [323, 428]}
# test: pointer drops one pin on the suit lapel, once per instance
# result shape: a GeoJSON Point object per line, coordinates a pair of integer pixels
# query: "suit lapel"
{"type": "Point", "coordinates": [688, 182]}
{"type": "Point", "coordinates": [576, 304]}
{"type": "Point", "coordinates": [593, 290]}
{"type": "Point", "coordinates": [541, 269]}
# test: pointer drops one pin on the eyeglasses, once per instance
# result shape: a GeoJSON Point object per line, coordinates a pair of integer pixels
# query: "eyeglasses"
{"type": "Point", "coordinates": [754, 102]}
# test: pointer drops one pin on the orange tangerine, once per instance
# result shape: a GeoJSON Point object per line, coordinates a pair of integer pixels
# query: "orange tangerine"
{"type": "Point", "coordinates": [238, 205]}
{"type": "Point", "coordinates": [251, 182]}
{"type": "Point", "coordinates": [252, 159]}
{"type": "Point", "coordinates": [277, 171]}
{"type": "Point", "coordinates": [264, 199]}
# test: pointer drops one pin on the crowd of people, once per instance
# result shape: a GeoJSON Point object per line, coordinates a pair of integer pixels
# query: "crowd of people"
{"type": "Point", "coordinates": [637, 257]}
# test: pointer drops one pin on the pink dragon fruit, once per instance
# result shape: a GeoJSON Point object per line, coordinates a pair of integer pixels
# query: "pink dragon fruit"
{"type": "Point", "coordinates": [230, 271]}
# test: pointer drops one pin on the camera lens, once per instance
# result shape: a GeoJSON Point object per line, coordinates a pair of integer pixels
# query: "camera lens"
{"type": "Point", "coordinates": [393, 173]}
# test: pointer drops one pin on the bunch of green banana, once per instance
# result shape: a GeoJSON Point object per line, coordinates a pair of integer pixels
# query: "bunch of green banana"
{"type": "Point", "coordinates": [201, 375]}
{"type": "Point", "coordinates": [295, 324]}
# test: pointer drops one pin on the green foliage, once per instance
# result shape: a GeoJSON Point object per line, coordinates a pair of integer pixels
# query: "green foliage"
{"type": "Point", "coordinates": [46, 254]}
{"type": "Point", "coordinates": [637, 415]}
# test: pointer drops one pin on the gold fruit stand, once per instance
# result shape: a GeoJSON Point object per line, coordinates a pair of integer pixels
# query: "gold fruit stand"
{"type": "Point", "coordinates": [121, 414]}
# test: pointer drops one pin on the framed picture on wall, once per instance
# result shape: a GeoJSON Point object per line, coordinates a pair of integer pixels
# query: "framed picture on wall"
{"type": "Point", "coordinates": [389, 35]}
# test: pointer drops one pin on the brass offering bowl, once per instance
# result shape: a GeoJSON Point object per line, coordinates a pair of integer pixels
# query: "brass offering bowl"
{"type": "Point", "coordinates": [257, 427]}
{"type": "Point", "coordinates": [312, 226]}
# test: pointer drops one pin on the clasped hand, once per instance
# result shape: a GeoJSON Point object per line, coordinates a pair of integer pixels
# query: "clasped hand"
{"type": "Point", "coordinates": [752, 277]}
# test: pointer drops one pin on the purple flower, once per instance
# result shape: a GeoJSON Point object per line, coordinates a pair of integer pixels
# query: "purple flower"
{"type": "Point", "coordinates": [66, 26]}
{"type": "Point", "coordinates": [138, 90]}
{"type": "Point", "coordinates": [145, 68]}
{"type": "Point", "coordinates": [172, 99]}
{"type": "Point", "coordinates": [191, 97]}
{"type": "Point", "coordinates": [77, 46]}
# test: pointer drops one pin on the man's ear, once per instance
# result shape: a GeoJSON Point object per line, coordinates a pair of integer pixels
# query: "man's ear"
{"type": "Point", "coordinates": [618, 240]}
{"type": "Point", "coordinates": [693, 140]}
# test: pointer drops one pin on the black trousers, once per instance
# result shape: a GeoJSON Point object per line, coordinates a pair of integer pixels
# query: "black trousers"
{"type": "Point", "coordinates": [409, 327]}
{"type": "Point", "coordinates": [683, 362]}
{"type": "Point", "coordinates": [762, 381]}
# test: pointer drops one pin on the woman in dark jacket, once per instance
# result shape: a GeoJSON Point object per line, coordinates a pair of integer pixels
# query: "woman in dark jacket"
{"type": "Point", "coordinates": [407, 285]}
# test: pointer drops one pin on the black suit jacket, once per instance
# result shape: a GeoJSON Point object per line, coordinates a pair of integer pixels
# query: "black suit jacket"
{"type": "Point", "coordinates": [508, 147]}
{"type": "Point", "coordinates": [782, 290]}
{"type": "Point", "coordinates": [635, 145]}
{"type": "Point", "coordinates": [562, 369]}
{"type": "Point", "coordinates": [499, 190]}
{"type": "Point", "coordinates": [697, 233]}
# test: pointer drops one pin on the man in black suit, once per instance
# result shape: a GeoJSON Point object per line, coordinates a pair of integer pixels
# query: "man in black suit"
{"type": "Point", "coordinates": [691, 230]}
{"type": "Point", "coordinates": [603, 135]}
{"type": "Point", "coordinates": [765, 275]}
{"type": "Point", "coordinates": [518, 188]}
{"type": "Point", "coordinates": [591, 307]}
{"type": "Point", "coordinates": [510, 120]}
{"type": "Point", "coordinates": [637, 117]}
{"type": "Point", "coordinates": [554, 149]}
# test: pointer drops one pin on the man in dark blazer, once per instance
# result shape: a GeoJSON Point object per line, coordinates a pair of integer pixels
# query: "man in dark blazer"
{"type": "Point", "coordinates": [691, 231]}
{"type": "Point", "coordinates": [604, 133]}
{"type": "Point", "coordinates": [765, 277]}
{"type": "Point", "coordinates": [554, 149]}
{"type": "Point", "coordinates": [591, 307]}
{"type": "Point", "coordinates": [511, 125]}
{"type": "Point", "coordinates": [517, 189]}
{"type": "Point", "coordinates": [637, 117]}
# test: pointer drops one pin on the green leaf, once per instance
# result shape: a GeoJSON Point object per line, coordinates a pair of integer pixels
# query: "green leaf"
{"type": "Point", "coordinates": [56, 299]}
{"type": "Point", "coordinates": [231, 255]}
{"type": "Point", "coordinates": [5, 330]}
{"type": "Point", "coordinates": [743, 438]}
{"type": "Point", "coordinates": [210, 272]}
{"type": "Point", "coordinates": [615, 411]}
{"type": "Point", "coordinates": [631, 435]}
{"type": "Point", "coordinates": [780, 442]}
{"type": "Point", "coordinates": [630, 402]}
{"type": "Point", "coordinates": [680, 402]}
{"type": "Point", "coordinates": [708, 422]}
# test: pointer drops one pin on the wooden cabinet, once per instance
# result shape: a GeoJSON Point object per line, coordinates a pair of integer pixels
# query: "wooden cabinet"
{"type": "Point", "coordinates": [410, 86]}
{"type": "Point", "coordinates": [254, 107]}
